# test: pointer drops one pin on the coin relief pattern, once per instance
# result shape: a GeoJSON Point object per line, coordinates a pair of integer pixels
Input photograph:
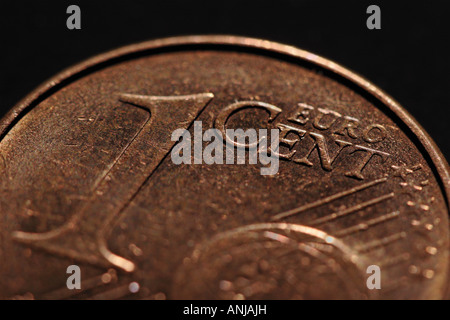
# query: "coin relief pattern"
{"type": "Point", "coordinates": [86, 178]}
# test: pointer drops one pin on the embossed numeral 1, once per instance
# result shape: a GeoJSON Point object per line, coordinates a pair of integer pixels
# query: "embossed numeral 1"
{"type": "Point", "coordinates": [84, 236]}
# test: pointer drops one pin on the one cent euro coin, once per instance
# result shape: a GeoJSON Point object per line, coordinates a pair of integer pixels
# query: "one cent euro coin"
{"type": "Point", "coordinates": [123, 168]}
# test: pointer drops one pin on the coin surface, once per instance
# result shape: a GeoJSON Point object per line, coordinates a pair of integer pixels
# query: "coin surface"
{"type": "Point", "coordinates": [87, 179]}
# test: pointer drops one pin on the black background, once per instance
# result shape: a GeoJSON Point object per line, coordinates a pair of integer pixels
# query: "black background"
{"type": "Point", "coordinates": [409, 57]}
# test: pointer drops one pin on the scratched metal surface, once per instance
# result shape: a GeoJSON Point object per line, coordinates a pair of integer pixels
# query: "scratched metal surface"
{"type": "Point", "coordinates": [86, 178]}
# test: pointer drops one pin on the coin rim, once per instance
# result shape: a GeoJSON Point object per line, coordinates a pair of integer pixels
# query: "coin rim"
{"type": "Point", "coordinates": [416, 129]}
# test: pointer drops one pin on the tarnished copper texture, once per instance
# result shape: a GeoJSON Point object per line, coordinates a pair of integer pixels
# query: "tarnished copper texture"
{"type": "Point", "coordinates": [86, 178]}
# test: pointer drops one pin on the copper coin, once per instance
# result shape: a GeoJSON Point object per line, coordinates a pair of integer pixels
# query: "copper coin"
{"type": "Point", "coordinates": [87, 179]}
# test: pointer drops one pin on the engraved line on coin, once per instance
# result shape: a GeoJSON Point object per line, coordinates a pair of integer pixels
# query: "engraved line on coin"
{"type": "Point", "coordinates": [315, 251]}
{"type": "Point", "coordinates": [314, 232]}
{"type": "Point", "coordinates": [92, 283]}
{"type": "Point", "coordinates": [353, 209]}
{"type": "Point", "coordinates": [392, 261]}
{"type": "Point", "coordinates": [328, 199]}
{"type": "Point", "coordinates": [284, 227]}
{"type": "Point", "coordinates": [113, 294]}
{"type": "Point", "coordinates": [363, 226]}
{"type": "Point", "coordinates": [381, 242]}
{"type": "Point", "coordinates": [140, 158]}
{"type": "Point", "coordinates": [394, 284]}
